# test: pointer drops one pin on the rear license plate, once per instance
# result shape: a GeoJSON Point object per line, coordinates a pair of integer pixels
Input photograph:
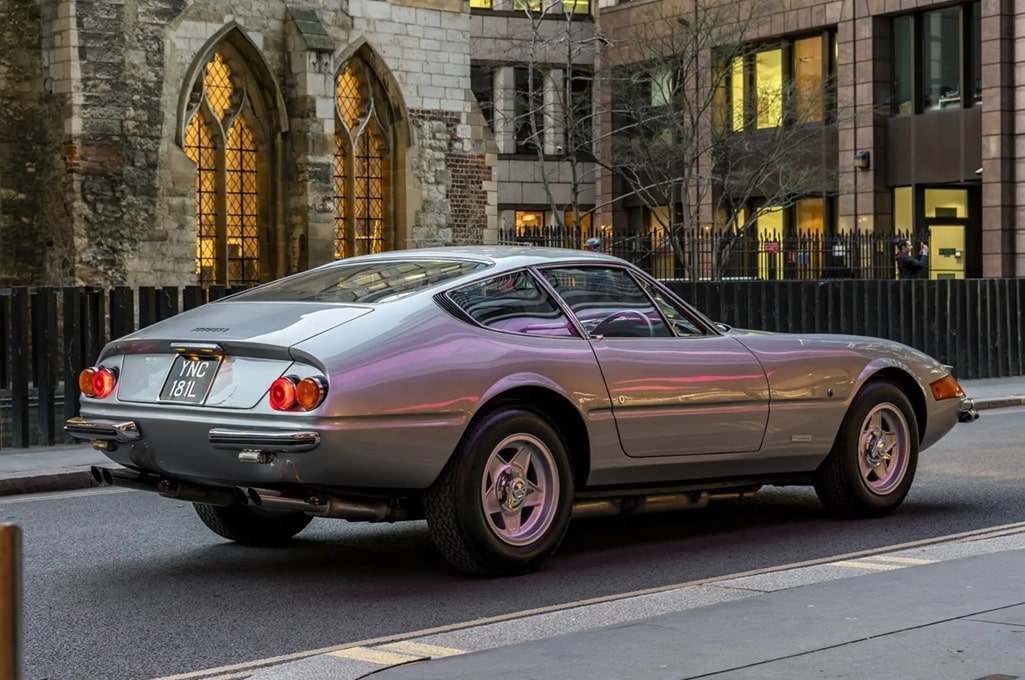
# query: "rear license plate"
{"type": "Point", "coordinates": [190, 379]}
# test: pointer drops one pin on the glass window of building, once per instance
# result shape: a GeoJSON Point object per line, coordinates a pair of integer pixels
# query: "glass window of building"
{"type": "Point", "coordinates": [903, 209]}
{"type": "Point", "coordinates": [936, 59]}
{"type": "Point", "coordinates": [220, 138]}
{"type": "Point", "coordinates": [737, 88]}
{"type": "Point", "coordinates": [480, 4]}
{"type": "Point", "coordinates": [363, 161]}
{"type": "Point", "coordinates": [787, 84]}
{"type": "Point", "coordinates": [810, 217]}
{"type": "Point", "coordinates": [809, 90]}
{"type": "Point", "coordinates": [769, 88]}
{"type": "Point", "coordinates": [902, 61]}
{"type": "Point", "coordinates": [568, 6]}
{"type": "Point", "coordinates": [482, 84]}
{"type": "Point", "coordinates": [976, 54]}
{"type": "Point", "coordinates": [529, 223]}
{"type": "Point", "coordinates": [946, 203]}
{"type": "Point", "coordinates": [579, 120]}
{"type": "Point", "coordinates": [941, 58]}
{"type": "Point", "coordinates": [528, 109]}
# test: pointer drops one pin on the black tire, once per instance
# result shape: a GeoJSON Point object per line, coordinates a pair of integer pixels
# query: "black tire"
{"type": "Point", "coordinates": [251, 527]}
{"type": "Point", "coordinates": [502, 504]}
{"type": "Point", "coordinates": [872, 465]}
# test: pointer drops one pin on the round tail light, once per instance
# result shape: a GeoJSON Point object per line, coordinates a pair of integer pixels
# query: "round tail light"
{"type": "Point", "coordinates": [310, 392]}
{"type": "Point", "coordinates": [282, 393]}
{"type": "Point", "coordinates": [97, 382]}
{"type": "Point", "coordinates": [85, 382]}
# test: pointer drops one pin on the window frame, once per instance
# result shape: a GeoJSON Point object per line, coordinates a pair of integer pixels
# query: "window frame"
{"type": "Point", "coordinates": [969, 54]}
{"type": "Point", "coordinates": [446, 300]}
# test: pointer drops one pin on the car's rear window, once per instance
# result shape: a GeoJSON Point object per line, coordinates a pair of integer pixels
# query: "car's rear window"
{"type": "Point", "coordinates": [363, 283]}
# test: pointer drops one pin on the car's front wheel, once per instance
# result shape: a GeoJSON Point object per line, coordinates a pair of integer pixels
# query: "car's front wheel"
{"type": "Point", "coordinates": [502, 504]}
{"type": "Point", "coordinates": [872, 464]}
{"type": "Point", "coordinates": [251, 526]}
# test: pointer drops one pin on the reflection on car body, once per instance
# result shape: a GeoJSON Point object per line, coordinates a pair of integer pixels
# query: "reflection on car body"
{"type": "Point", "coordinates": [496, 392]}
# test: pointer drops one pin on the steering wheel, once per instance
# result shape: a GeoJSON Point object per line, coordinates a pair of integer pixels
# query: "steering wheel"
{"type": "Point", "coordinates": [623, 314]}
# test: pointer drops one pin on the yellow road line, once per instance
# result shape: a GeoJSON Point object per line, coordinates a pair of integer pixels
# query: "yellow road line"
{"type": "Point", "coordinates": [901, 560]}
{"type": "Point", "coordinates": [375, 656]}
{"type": "Point", "coordinates": [423, 649]}
{"type": "Point", "coordinates": [860, 564]}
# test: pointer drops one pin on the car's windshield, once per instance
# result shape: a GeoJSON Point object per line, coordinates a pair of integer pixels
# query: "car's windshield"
{"type": "Point", "coordinates": [363, 283]}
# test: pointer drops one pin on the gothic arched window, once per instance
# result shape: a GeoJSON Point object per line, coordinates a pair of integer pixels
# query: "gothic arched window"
{"type": "Point", "coordinates": [363, 164]}
{"type": "Point", "coordinates": [220, 140]}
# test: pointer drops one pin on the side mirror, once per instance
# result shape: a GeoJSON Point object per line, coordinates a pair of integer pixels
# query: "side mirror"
{"type": "Point", "coordinates": [724, 327]}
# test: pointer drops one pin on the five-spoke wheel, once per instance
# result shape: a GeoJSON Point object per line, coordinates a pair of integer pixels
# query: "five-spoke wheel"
{"type": "Point", "coordinates": [502, 504]}
{"type": "Point", "coordinates": [872, 464]}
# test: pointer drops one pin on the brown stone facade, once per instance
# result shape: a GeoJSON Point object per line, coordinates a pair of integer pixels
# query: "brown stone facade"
{"type": "Point", "coordinates": [979, 148]}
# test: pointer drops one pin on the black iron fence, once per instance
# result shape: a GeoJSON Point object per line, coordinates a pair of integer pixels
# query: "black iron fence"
{"type": "Point", "coordinates": [50, 334]}
{"type": "Point", "coordinates": [704, 255]}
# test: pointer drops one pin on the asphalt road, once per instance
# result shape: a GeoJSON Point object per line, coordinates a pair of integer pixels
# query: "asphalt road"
{"type": "Point", "coordinates": [122, 584]}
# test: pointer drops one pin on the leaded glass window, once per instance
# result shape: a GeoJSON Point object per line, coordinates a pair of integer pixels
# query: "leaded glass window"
{"type": "Point", "coordinates": [363, 162]}
{"type": "Point", "coordinates": [220, 141]}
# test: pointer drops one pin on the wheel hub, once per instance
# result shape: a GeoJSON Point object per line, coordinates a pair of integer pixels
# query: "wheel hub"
{"type": "Point", "coordinates": [875, 448]}
{"type": "Point", "coordinates": [512, 488]}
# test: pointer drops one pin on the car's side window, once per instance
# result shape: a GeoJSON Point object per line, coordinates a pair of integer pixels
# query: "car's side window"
{"type": "Point", "coordinates": [514, 303]}
{"type": "Point", "coordinates": [607, 302]}
{"type": "Point", "coordinates": [681, 324]}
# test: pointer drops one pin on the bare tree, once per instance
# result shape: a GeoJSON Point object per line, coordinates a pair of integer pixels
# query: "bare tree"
{"type": "Point", "coordinates": [697, 142]}
{"type": "Point", "coordinates": [552, 114]}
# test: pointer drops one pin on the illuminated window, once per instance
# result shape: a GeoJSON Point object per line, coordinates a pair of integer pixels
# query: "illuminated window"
{"type": "Point", "coordinates": [737, 92]}
{"type": "Point", "coordinates": [362, 164]}
{"type": "Point", "coordinates": [808, 80]}
{"type": "Point", "coordinates": [482, 4]}
{"type": "Point", "coordinates": [788, 83]}
{"type": "Point", "coordinates": [220, 141]}
{"type": "Point", "coordinates": [569, 6]}
{"type": "Point", "coordinates": [769, 88]}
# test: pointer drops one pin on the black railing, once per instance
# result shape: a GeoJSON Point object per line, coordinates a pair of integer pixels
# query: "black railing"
{"type": "Point", "coordinates": [50, 334]}
{"type": "Point", "coordinates": [752, 256]}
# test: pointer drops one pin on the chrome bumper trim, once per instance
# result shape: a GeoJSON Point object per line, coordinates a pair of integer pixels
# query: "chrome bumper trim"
{"type": "Point", "coordinates": [968, 411]}
{"type": "Point", "coordinates": [290, 441]}
{"type": "Point", "coordinates": [102, 430]}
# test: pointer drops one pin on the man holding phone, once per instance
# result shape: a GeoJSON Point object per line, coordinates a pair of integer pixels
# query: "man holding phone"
{"type": "Point", "coordinates": [909, 266]}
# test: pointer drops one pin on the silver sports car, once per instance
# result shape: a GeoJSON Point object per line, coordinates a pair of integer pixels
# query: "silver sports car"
{"type": "Point", "coordinates": [497, 392]}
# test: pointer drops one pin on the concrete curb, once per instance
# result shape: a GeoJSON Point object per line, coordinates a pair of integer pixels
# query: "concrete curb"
{"type": "Point", "coordinates": [999, 402]}
{"type": "Point", "coordinates": [46, 480]}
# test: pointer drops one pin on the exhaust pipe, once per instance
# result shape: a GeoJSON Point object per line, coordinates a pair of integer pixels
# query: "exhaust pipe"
{"type": "Point", "coordinates": [168, 488]}
{"type": "Point", "coordinates": [331, 506]}
{"type": "Point", "coordinates": [636, 505]}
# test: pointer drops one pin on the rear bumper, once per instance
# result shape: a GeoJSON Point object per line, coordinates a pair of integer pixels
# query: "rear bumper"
{"type": "Point", "coordinates": [270, 441]}
{"type": "Point", "coordinates": [102, 430]}
{"type": "Point", "coordinates": [968, 412]}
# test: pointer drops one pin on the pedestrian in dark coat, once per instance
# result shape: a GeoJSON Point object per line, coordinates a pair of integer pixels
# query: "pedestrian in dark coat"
{"type": "Point", "coordinates": [909, 266]}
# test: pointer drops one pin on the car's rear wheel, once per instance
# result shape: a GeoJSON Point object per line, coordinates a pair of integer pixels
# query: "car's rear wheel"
{"type": "Point", "coordinates": [251, 526]}
{"type": "Point", "coordinates": [873, 461]}
{"type": "Point", "coordinates": [502, 504]}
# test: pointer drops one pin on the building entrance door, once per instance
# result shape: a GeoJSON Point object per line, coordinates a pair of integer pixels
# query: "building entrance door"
{"type": "Point", "coordinates": [946, 251]}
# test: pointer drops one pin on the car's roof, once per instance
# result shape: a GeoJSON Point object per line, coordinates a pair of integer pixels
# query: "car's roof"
{"type": "Point", "coordinates": [504, 256]}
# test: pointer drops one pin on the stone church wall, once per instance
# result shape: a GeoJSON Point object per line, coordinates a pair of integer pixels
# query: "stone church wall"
{"type": "Point", "coordinates": [97, 113]}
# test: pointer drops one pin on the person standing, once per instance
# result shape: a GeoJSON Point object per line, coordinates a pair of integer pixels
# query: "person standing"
{"type": "Point", "coordinates": [909, 266]}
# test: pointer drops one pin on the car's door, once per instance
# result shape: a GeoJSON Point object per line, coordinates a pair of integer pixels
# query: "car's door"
{"type": "Point", "coordinates": [676, 387]}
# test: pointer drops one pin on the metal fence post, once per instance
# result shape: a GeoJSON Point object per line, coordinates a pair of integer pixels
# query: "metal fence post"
{"type": "Point", "coordinates": [10, 602]}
